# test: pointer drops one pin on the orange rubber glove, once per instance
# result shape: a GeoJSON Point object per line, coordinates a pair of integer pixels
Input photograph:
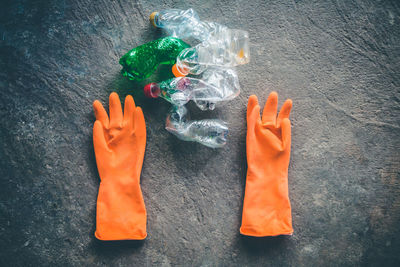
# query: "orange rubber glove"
{"type": "Point", "coordinates": [119, 145]}
{"type": "Point", "coordinates": [266, 207]}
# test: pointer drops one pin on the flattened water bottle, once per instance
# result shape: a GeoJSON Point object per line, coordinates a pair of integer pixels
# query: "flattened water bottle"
{"type": "Point", "coordinates": [210, 132]}
{"type": "Point", "coordinates": [184, 24]}
{"type": "Point", "coordinates": [215, 85]}
{"type": "Point", "coordinates": [229, 48]}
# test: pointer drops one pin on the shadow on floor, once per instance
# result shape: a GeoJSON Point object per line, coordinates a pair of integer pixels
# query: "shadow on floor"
{"type": "Point", "coordinates": [262, 245]}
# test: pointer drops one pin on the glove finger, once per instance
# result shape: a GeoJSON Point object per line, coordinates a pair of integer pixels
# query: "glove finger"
{"type": "Point", "coordinates": [100, 113]}
{"type": "Point", "coordinates": [129, 111]}
{"type": "Point", "coordinates": [270, 109]}
{"type": "Point", "coordinates": [251, 104]}
{"type": "Point", "coordinates": [99, 140]}
{"type": "Point", "coordinates": [115, 110]}
{"type": "Point", "coordinates": [284, 112]}
{"type": "Point", "coordinates": [253, 114]}
{"type": "Point", "coordinates": [286, 133]}
{"type": "Point", "coordinates": [139, 123]}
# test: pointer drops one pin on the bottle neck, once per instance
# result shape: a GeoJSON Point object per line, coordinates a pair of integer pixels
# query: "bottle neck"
{"type": "Point", "coordinates": [152, 90]}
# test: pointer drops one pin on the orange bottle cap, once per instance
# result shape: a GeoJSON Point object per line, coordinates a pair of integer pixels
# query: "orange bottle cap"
{"type": "Point", "coordinates": [178, 72]}
{"type": "Point", "coordinates": [152, 15]}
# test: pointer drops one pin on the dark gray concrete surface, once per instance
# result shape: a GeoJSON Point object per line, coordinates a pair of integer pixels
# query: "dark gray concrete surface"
{"type": "Point", "coordinates": [337, 60]}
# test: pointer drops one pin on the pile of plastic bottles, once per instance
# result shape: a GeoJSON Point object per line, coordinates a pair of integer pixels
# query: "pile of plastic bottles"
{"type": "Point", "coordinates": [204, 72]}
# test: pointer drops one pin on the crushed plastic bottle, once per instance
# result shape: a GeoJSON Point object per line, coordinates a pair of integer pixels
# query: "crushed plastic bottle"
{"type": "Point", "coordinates": [211, 132]}
{"type": "Point", "coordinates": [140, 62]}
{"type": "Point", "coordinates": [185, 24]}
{"type": "Point", "coordinates": [212, 62]}
{"type": "Point", "coordinates": [215, 85]}
{"type": "Point", "coordinates": [227, 49]}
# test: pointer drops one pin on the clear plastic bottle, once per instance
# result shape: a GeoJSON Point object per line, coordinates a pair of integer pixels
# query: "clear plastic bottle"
{"type": "Point", "coordinates": [215, 85]}
{"type": "Point", "coordinates": [213, 59]}
{"type": "Point", "coordinates": [228, 48]}
{"type": "Point", "coordinates": [184, 24]}
{"type": "Point", "coordinates": [211, 133]}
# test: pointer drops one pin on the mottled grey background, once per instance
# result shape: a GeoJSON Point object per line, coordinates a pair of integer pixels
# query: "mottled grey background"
{"type": "Point", "coordinates": [338, 60]}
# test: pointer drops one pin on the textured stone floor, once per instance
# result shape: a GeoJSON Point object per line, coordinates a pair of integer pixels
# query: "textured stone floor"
{"type": "Point", "coordinates": [339, 63]}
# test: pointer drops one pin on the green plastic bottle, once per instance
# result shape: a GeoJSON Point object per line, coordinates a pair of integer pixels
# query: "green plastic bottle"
{"type": "Point", "coordinates": [140, 62]}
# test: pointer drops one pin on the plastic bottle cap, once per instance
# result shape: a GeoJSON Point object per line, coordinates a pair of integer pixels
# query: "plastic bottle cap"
{"type": "Point", "coordinates": [152, 16]}
{"type": "Point", "coordinates": [178, 72]}
{"type": "Point", "coordinates": [151, 90]}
